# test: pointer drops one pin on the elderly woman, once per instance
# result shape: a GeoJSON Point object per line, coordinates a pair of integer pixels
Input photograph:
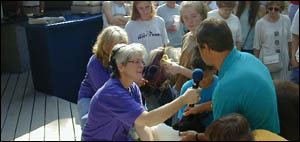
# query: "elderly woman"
{"type": "Point", "coordinates": [117, 106]}
{"type": "Point", "coordinates": [272, 40]}
{"type": "Point", "coordinates": [98, 67]}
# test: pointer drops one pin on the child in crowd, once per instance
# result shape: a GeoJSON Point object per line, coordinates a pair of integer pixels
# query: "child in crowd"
{"type": "Point", "coordinates": [231, 127]}
{"type": "Point", "coordinates": [145, 27]}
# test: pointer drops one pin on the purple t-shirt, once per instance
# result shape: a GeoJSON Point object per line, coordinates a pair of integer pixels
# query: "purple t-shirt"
{"type": "Point", "coordinates": [96, 76]}
{"type": "Point", "coordinates": [113, 112]}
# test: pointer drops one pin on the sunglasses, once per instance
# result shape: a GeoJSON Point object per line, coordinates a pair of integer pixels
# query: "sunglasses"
{"type": "Point", "coordinates": [275, 8]}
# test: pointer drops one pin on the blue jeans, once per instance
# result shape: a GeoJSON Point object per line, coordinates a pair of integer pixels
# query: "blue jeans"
{"type": "Point", "coordinates": [83, 107]}
{"type": "Point", "coordinates": [295, 75]}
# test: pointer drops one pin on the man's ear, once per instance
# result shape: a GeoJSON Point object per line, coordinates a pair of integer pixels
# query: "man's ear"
{"type": "Point", "coordinates": [205, 46]}
{"type": "Point", "coordinates": [208, 50]}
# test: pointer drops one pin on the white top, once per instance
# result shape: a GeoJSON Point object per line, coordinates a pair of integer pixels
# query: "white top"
{"type": "Point", "coordinates": [31, 3]}
{"type": "Point", "coordinates": [270, 37]}
{"type": "Point", "coordinates": [168, 14]}
{"type": "Point", "coordinates": [295, 30]}
{"type": "Point", "coordinates": [116, 10]}
{"type": "Point", "coordinates": [233, 22]}
{"type": "Point", "coordinates": [151, 34]}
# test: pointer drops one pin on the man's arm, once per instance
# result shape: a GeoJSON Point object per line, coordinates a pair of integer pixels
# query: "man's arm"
{"type": "Point", "coordinates": [204, 107]}
{"type": "Point", "coordinates": [256, 52]}
{"type": "Point", "coordinates": [295, 46]}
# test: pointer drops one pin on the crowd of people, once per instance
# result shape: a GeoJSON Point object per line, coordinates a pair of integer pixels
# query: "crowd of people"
{"type": "Point", "coordinates": [240, 46]}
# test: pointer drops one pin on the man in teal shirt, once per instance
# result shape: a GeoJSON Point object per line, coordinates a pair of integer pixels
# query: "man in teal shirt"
{"type": "Point", "coordinates": [245, 85]}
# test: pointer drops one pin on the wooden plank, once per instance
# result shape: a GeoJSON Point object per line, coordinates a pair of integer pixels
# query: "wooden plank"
{"type": "Point", "coordinates": [8, 132]}
{"type": "Point", "coordinates": [76, 122]}
{"type": "Point", "coordinates": [7, 96]}
{"type": "Point", "coordinates": [23, 127]}
{"type": "Point", "coordinates": [66, 129]}
{"type": "Point", "coordinates": [38, 118]}
{"type": "Point", "coordinates": [4, 80]}
{"type": "Point", "coordinates": [51, 123]}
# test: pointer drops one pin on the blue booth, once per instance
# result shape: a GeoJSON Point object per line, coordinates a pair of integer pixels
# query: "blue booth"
{"type": "Point", "coordinates": [59, 54]}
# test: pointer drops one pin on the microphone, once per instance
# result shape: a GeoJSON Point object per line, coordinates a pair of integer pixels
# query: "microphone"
{"type": "Point", "coordinates": [197, 77]}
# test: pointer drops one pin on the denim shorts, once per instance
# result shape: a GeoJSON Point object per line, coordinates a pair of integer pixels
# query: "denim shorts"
{"type": "Point", "coordinates": [83, 107]}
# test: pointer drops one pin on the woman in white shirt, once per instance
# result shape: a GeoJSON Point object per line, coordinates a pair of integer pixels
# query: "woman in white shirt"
{"type": "Point", "coordinates": [273, 39]}
{"type": "Point", "coordinates": [115, 13]}
{"type": "Point", "coordinates": [225, 12]}
{"type": "Point", "coordinates": [145, 27]}
{"type": "Point", "coordinates": [170, 13]}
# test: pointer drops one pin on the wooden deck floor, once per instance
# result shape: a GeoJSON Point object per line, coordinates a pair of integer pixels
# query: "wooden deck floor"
{"type": "Point", "coordinates": [29, 115]}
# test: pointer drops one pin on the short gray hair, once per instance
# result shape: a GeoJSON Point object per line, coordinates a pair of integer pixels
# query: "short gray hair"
{"type": "Point", "coordinates": [121, 53]}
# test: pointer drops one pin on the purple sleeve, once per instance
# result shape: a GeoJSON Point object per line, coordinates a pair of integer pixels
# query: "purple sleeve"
{"type": "Point", "coordinates": [123, 106]}
{"type": "Point", "coordinates": [98, 74]}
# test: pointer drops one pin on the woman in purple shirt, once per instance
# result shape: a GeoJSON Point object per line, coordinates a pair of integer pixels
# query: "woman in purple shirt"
{"type": "Point", "coordinates": [117, 106]}
{"type": "Point", "coordinates": [97, 68]}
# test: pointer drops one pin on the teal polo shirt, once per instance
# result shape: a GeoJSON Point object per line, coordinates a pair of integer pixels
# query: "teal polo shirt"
{"type": "Point", "coordinates": [245, 86]}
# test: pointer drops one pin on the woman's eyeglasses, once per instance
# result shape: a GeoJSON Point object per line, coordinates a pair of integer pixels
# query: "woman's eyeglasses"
{"type": "Point", "coordinates": [137, 62]}
{"type": "Point", "coordinates": [275, 8]}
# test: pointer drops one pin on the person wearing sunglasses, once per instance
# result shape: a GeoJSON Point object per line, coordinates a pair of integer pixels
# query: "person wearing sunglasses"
{"type": "Point", "coordinates": [272, 40]}
{"type": "Point", "coordinates": [117, 106]}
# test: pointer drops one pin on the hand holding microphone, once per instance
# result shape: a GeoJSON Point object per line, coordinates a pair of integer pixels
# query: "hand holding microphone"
{"type": "Point", "coordinates": [197, 77]}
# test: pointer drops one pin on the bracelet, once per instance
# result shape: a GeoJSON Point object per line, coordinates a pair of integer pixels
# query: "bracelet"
{"type": "Point", "coordinates": [196, 137]}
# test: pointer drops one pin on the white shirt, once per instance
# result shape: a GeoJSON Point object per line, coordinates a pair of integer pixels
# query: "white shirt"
{"type": "Point", "coordinates": [295, 30]}
{"type": "Point", "coordinates": [269, 36]}
{"type": "Point", "coordinates": [151, 34]}
{"type": "Point", "coordinates": [167, 14]}
{"type": "Point", "coordinates": [233, 22]}
{"type": "Point", "coordinates": [115, 10]}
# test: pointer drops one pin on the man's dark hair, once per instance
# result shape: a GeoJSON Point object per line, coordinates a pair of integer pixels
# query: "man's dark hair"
{"type": "Point", "coordinates": [197, 61]}
{"type": "Point", "coordinates": [216, 34]}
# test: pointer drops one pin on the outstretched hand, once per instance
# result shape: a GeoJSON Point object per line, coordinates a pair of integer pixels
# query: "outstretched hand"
{"type": "Point", "coordinates": [199, 108]}
{"type": "Point", "coordinates": [191, 136]}
{"type": "Point", "coordinates": [188, 135]}
{"type": "Point", "coordinates": [173, 68]}
{"type": "Point", "coordinates": [190, 110]}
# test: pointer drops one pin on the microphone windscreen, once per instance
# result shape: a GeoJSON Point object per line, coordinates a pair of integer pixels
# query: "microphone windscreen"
{"type": "Point", "coordinates": [197, 75]}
